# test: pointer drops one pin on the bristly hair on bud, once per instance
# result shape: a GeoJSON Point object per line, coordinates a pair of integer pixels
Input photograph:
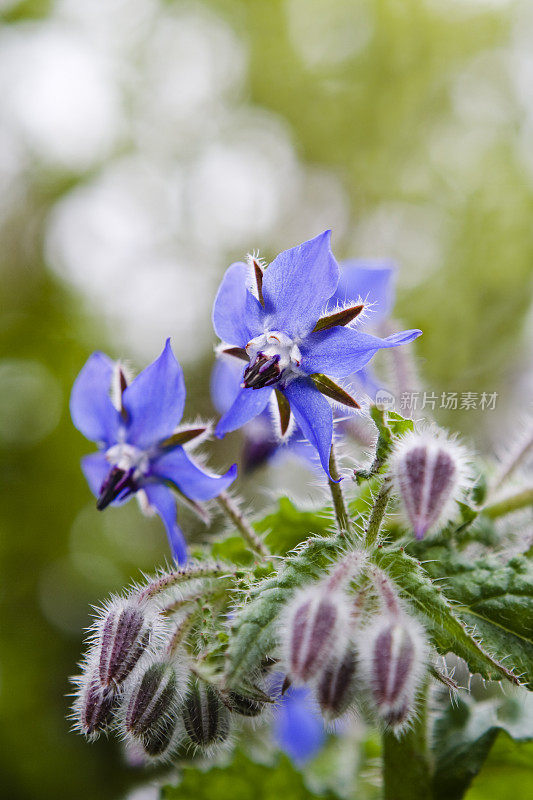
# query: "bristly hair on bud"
{"type": "Point", "coordinates": [430, 471]}
{"type": "Point", "coordinates": [125, 630]}
{"type": "Point", "coordinates": [338, 684]}
{"type": "Point", "coordinates": [149, 711]}
{"type": "Point", "coordinates": [394, 658]}
{"type": "Point", "coordinates": [314, 628]}
{"type": "Point", "coordinates": [94, 704]}
{"type": "Point", "coordinates": [206, 718]}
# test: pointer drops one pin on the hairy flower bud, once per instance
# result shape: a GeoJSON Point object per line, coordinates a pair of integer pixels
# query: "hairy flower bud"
{"type": "Point", "coordinates": [92, 710]}
{"type": "Point", "coordinates": [394, 659]}
{"type": "Point", "coordinates": [205, 717]}
{"type": "Point", "coordinates": [157, 739]}
{"type": "Point", "coordinates": [124, 636]}
{"type": "Point", "coordinates": [337, 685]}
{"type": "Point", "coordinates": [152, 699]}
{"type": "Point", "coordinates": [430, 472]}
{"type": "Point", "coordinates": [243, 705]}
{"type": "Point", "coordinates": [315, 629]}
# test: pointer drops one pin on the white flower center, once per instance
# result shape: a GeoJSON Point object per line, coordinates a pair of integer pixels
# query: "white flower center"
{"type": "Point", "coordinates": [276, 343]}
{"type": "Point", "coordinates": [126, 457]}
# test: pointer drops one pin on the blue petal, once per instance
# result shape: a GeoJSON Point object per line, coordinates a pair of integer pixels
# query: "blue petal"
{"type": "Point", "coordinates": [298, 284]}
{"type": "Point", "coordinates": [95, 468]}
{"type": "Point", "coordinates": [155, 400]}
{"type": "Point", "coordinates": [237, 315]}
{"type": "Point", "coordinates": [91, 408]}
{"type": "Point", "coordinates": [314, 415]}
{"type": "Point", "coordinates": [297, 728]}
{"type": "Point", "coordinates": [226, 380]}
{"type": "Point", "coordinates": [366, 382]}
{"type": "Point", "coordinates": [162, 499]}
{"type": "Point", "coordinates": [373, 281]}
{"type": "Point", "coordinates": [247, 405]}
{"type": "Point", "coordinates": [340, 351]}
{"type": "Point", "coordinates": [177, 467]}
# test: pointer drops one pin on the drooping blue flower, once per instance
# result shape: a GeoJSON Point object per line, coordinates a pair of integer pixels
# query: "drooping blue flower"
{"type": "Point", "coordinates": [293, 344]}
{"type": "Point", "coordinates": [297, 726]}
{"type": "Point", "coordinates": [140, 449]}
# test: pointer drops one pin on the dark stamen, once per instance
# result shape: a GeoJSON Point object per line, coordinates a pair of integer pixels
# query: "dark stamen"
{"type": "Point", "coordinates": [264, 371]}
{"type": "Point", "coordinates": [117, 481]}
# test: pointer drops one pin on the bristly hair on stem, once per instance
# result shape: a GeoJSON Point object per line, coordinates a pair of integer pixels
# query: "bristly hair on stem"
{"type": "Point", "coordinates": [254, 542]}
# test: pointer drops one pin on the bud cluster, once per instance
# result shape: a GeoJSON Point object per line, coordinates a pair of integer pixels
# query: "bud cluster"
{"type": "Point", "coordinates": [350, 658]}
{"type": "Point", "coordinates": [138, 677]}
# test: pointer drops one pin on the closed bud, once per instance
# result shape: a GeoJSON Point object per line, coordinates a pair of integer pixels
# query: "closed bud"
{"type": "Point", "coordinates": [430, 472]}
{"type": "Point", "coordinates": [153, 699]}
{"type": "Point", "coordinates": [125, 629]}
{"type": "Point", "coordinates": [337, 685]}
{"type": "Point", "coordinates": [316, 626]}
{"type": "Point", "coordinates": [393, 660]}
{"type": "Point", "coordinates": [158, 739]}
{"type": "Point", "coordinates": [243, 705]}
{"type": "Point", "coordinates": [205, 717]}
{"type": "Point", "coordinates": [93, 707]}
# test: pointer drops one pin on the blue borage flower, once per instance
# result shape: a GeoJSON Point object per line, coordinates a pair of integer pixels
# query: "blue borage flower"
{"type": "Point", "coordinates": [293, 344]}
{"type": "Point", "coordinates": [140, 449]}
{"type": "Point", "coordinates": [298, 727]}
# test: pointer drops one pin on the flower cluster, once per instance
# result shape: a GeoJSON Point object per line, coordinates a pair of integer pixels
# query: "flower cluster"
{"type": "Point", "coordinates": [293, 323]}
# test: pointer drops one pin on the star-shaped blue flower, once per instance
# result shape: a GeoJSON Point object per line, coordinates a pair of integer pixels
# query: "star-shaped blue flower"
{"type": "Point", "coordinates": [139, 447]}
{"type": "Point", "coordinates": [293, 343]}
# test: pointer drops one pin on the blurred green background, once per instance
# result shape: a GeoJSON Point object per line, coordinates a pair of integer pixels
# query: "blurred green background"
{"type": "Point", "coordinates": [144, 145]}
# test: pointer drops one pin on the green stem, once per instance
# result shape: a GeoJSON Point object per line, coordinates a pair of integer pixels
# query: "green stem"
{"type": "Point", "coordinates": [341, 512]}
{"type": "Point", "coordinates": [376, 515]}
{"type": "Point", "coordinates": [509, 504]}
{"type": "Point", "coordinates": [243, 526]}
{"type": "Point", "coordinates": [406, 765]}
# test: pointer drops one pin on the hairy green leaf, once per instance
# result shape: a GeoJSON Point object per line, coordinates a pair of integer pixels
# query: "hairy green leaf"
{"type": "Point", "coordinates": [465, 734]}
{"type": "Point", "coordinates": [254, 632]}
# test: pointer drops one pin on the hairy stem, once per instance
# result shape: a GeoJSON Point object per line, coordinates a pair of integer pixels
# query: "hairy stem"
{"type": "Point", "coordinates": [376, 515]}
{"type": "Point", "coordinates": [169, 579]}
{"type": "Point", "coordinates": [251, 538]}
{"type": "Point", "coordinates": [341, 513]}
{"type": "Point", "coordinates": [509, 504]}
{"type": "Point", "coordinates": [406, 765]}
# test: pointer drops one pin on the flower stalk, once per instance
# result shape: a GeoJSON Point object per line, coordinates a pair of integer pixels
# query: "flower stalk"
{"type": "Point", "coordinates": [341, 512]}
{"type": "Point", "coordinates": [515, 502]}
{"type": "Point", "coordinates": [254, 542]}
{"type": "Point", "coordinates": [376, 515]}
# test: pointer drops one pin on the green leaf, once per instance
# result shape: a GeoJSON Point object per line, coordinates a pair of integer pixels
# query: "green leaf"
{"type": "Point", "coordinates": [496, 599]}
{"type": "Point", "coordinates": [445, 627]}
{"type": "Point", "coordinates": [287, 526]}
{"type": "Point", "coordinates": [232, 549]}
{"type": "Point", "coordinates": [465, 734]}
{"type": "Point", "coordinates": [254, 632]}
{"type": "Point", "coordinates": [241, 779]}
{"type": "Point", "coordinates": [507, 774]}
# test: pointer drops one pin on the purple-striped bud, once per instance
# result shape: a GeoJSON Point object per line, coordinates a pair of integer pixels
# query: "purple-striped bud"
{"type": "Point", "coordinates": [393, 660]}
{"type": "Point", "coordinates": [92, 711]}
{"type": "Point", "coordinates": [337, 685]}
{"type": "Point", "coordinates": [152, 700]}
{"type": "Point", "coordinates": [316, 626]}
{"type": "Point", "coordinates": [205, 717]}
{"type": "Point", "coordinates": [125, 631]}
{"type": "Point", "coordinates": [430, 472]}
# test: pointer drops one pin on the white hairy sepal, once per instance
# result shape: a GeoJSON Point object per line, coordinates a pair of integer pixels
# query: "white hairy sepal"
{"type": "Point", "coordinates": [314, 628]}
{"type": "Point", "coordinates": [394, 658]}
{"type": "Point", "coordinates": [132, 734]}
{"type": "Point", "coordinates": [154, 625]}
{"type": "Point", "coordinates": [273, 410]}
{"type": "Point", "coordinates": [429, 496]}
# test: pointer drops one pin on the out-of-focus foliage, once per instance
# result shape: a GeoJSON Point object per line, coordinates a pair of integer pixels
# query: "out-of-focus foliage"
{"type": "Point", "coordinates": [404, 125]}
